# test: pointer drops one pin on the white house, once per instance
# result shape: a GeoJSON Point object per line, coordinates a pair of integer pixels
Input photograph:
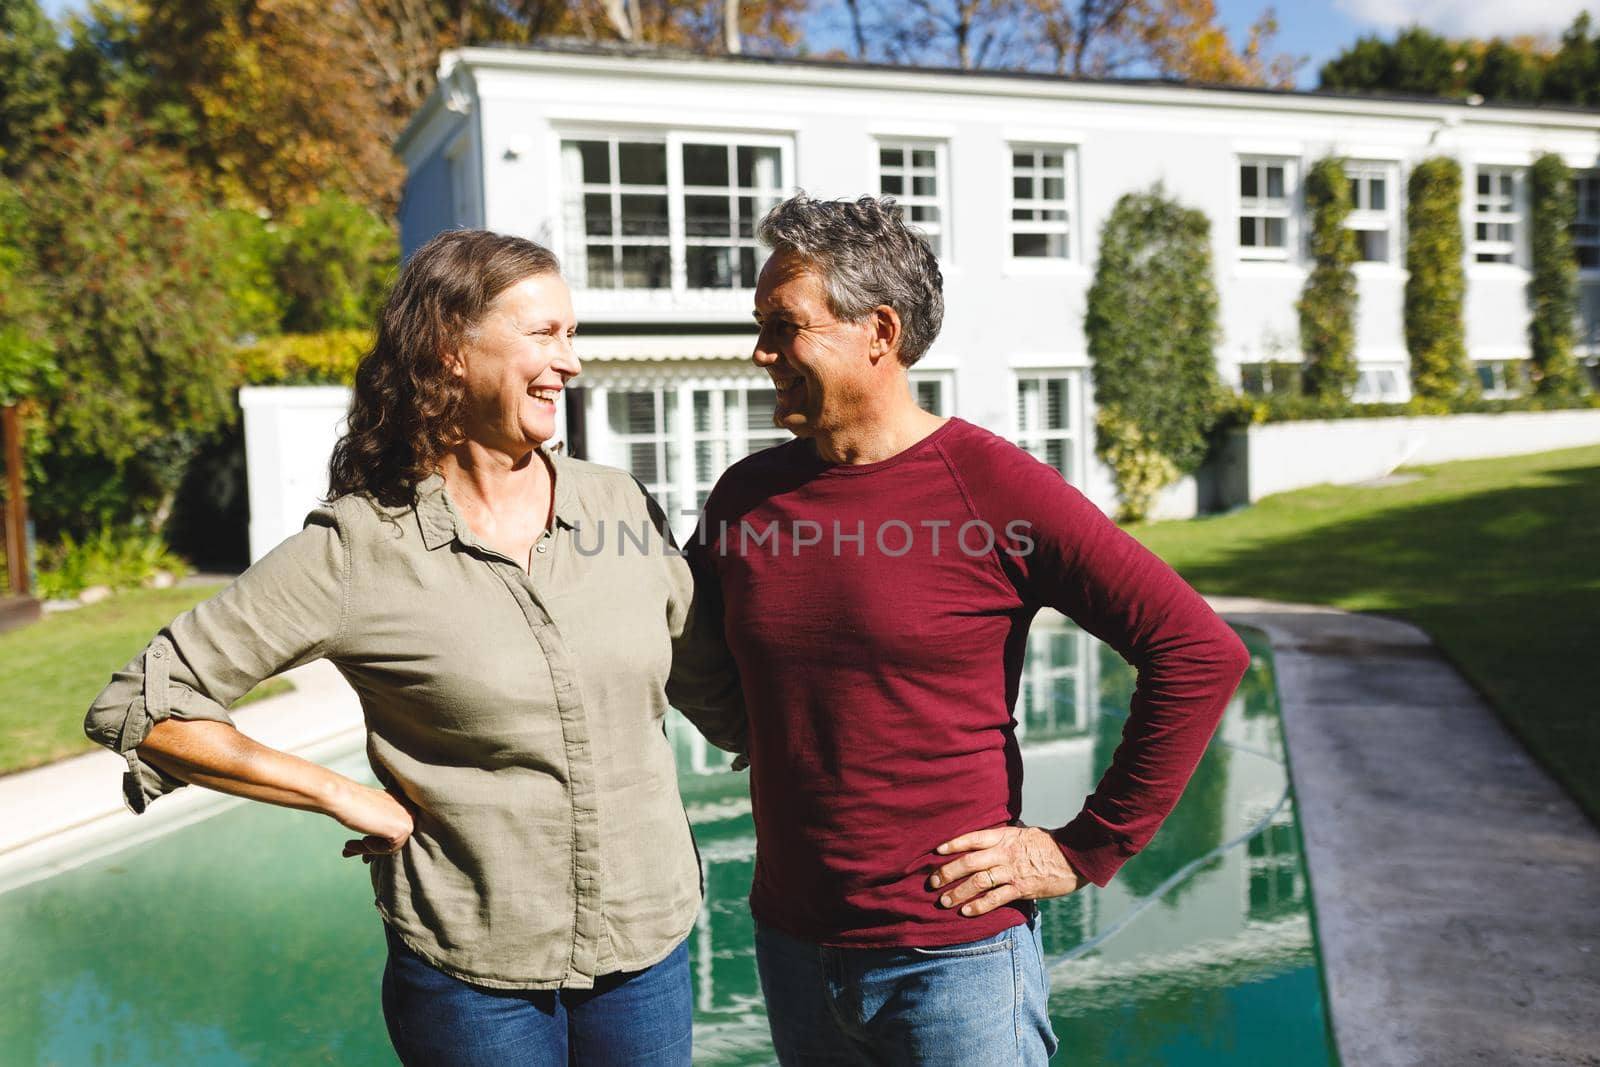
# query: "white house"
{"type": "Point", "coordinates": [647, 173]}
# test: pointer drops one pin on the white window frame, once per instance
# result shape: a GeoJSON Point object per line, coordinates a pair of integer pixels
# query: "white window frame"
{"type": "Point", "coordinates": [678, 241]}
{"type": "Point", "coordinates": [1586, 224]}
{"type": "Point", "coordinates": [1364, 218]}
{"type": "Point", "coordinates": [1039, 675]}
{"type": "Point", "coordinates": [1033, 439]}
{"type": "Point", "coordinates": [941, 384]}
{"type": "Point", "coordinates": [1262, 207]}
{"type": "Point", "coordinates": [1497, 208]}
{"type": "Point", "coordinates": [938, 234]}
{"type": "Point", "coordinates": [680, 488]}
{"type": "Point", "coordinates": [1500, 386]}
{"type": "Point", "coordinates": [1037, 173]}
{"type": "Point", "coordinates": [1368, 389]}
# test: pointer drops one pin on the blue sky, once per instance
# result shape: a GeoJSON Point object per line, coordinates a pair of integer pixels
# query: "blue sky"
{"type": "Point", "coordinates": [1319, 29]}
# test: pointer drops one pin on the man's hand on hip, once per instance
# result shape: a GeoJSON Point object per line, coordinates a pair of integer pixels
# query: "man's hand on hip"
{"type": "Point", "coordinates": [1000, 865]}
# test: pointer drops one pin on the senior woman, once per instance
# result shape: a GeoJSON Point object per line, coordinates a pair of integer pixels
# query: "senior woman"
{"type": "Point", "coordinates": [532, 862]}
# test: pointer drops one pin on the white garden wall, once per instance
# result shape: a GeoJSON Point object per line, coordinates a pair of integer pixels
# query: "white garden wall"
{"type": "Point", "coordinates": [289, 433]}
{"type": "Point", "coordinates": [1274, 458]}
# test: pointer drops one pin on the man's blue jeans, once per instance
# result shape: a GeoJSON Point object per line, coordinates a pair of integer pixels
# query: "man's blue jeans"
{"type": "Point", "coordinates": [980, 1002]}
{"type": "Point", "coordinates": [643, 1017]}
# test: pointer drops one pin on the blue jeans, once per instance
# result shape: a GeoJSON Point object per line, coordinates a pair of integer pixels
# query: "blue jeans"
{"type": "Point", "coordinates": [983, 1001]}
{"type": "Point", "coordinates": [640, 1017]}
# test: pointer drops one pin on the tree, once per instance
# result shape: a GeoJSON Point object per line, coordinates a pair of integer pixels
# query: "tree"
{"type": "Point", "coordinates": [119, 247]}
{"type": "Point", "coordinates": [31, 63]}
{"type": "Point", "coordinates": [1573, 73]}
{"type": "Point", "coordinates": [334, 266]}
{"type": "Point", "coordinates": [1151, 326]}
{"type": "Point", "coordinates": [272, 100]}
{"type": "Point", "coordinates": [1506, 72]}
{"type": "Point", "coordinates": [1553, 290]}
{"type": "Point", "coordinates": [1436, 286]}
{"type": "Point", "coordinates": [26, 363]}
{"type": "Point", "coordinates": [1085, 38]}
{"type": "Point", "coordinates": [1327, 306]}
{"type": "Point", "coordinates": [1521, 69]}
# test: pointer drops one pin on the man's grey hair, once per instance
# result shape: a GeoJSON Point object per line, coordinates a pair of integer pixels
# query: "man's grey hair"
{"type": "Point", "coordinates": [865, 255]}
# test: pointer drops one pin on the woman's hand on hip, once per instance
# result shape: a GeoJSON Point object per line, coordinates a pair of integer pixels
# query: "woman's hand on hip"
{"type": "Point", "coordinates": [384, 823]}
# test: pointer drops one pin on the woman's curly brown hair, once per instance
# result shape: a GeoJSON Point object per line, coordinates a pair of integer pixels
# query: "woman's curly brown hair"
{"type": "Point", "coordinates": [406, 408]}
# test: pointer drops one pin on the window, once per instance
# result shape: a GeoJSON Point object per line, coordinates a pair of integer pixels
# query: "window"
{"type": "Point", "coordinates": [678, 438]}
{"type": "Point", "coordinates": [1494, 214]}
{"type": "Point", "coordinates": [644, 430]}
{"type": "Point", "coordinates": [1586, 225]}
{"type": "Point", "coordinates": [1375, 385]}
{"type": "Point", "coordinates": [726, 191]}
{"type": "Point", "coordinates": [1266, 379]}
{"type": "Point", "coordinates": [1045, 423]}
{"type": "Point", "coordinates": [1042, 191]}
{"type": "Point", "coordinates": [1500, 378]}
{"type": "Point", "coordinates": [1053, 695]}
{"type": "Point", "coordinates": [677, 212]}
{"type": "Point", "coordinates": [1374, 214]}
{"type": "Point", "coordinates": [913, 173]}
{"type": "Point", "coordinates": [932, 390]}
{"type": "Point", "coordinates": [1265, 208]}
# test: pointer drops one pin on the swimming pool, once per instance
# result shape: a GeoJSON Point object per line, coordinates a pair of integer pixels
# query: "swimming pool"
{"type": "Point", "coordinates": [244, 938]}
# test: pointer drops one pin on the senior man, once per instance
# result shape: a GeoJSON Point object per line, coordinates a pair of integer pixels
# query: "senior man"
{"type": "Point", "coordinates": [877, 578]}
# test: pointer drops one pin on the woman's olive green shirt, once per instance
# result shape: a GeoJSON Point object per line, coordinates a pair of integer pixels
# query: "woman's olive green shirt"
{"type": "Point", "coordinates": [520, 715]}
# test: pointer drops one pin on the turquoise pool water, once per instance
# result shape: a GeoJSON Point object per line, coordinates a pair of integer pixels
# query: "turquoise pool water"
{"type": "Point", "coordinates": [245, 939]}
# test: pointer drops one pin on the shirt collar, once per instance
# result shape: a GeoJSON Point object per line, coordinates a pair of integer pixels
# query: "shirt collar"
{"type": "Point", "coordinates": [441, 523]}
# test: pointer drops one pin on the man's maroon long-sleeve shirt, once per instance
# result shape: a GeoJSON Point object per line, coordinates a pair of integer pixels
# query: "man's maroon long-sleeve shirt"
{"type": "Point", "coordinates": [879, 616]}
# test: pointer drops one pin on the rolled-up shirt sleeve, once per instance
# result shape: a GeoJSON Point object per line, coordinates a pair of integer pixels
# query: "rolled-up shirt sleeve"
{"type": "Point", "coordinates": [285, 610]}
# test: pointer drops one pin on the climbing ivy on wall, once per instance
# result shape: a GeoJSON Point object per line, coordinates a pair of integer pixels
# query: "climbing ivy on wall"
{"type": "Point", "coordinates": [1327, 304]}
{"type": "Point", "coordinates": [1437, 286]}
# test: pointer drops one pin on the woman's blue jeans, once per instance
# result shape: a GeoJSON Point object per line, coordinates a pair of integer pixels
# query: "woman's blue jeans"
{"type": "Point", "coordinates": [641, 1017]}
{"type": "Point", "coordinates": [985, 1001]}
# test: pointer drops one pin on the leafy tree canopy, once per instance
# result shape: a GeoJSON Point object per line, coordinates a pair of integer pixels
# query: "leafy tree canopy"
{"type": "Point", "coordinates": [1519, 70]}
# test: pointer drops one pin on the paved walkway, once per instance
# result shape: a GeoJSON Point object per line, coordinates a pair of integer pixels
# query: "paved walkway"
{"type": "Point", "coordinates": [1456, 888]}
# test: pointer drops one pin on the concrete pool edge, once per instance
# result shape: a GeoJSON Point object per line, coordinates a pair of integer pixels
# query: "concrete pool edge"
{"type": "Point", "coordinates": [1425, 824]}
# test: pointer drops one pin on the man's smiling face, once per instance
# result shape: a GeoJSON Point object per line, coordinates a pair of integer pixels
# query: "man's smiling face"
{"type": "Point", "coordinates": [817, 363]}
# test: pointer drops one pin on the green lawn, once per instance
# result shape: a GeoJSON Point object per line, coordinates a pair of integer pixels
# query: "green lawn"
{"type": "Point", "coordinates": [1499, 560]}
{"type": "Point", "coordinates": [50, 671]}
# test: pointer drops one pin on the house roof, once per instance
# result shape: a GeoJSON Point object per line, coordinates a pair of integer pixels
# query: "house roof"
{"type": "Point", "coordinates": [648, 60]}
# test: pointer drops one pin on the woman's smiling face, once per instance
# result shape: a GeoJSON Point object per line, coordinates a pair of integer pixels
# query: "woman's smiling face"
{"type": "Point", "coordinates": [516, 363]}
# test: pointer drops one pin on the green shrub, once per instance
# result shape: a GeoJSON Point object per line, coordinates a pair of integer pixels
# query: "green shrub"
{"type": "Point", "coordinates": [1235, 411]}
{"type": "Point", "coordinates": [334, 265]}
{"type": "Point", "coordinates": [327, 358]}
{"type": "Point", "coordinates": [1151, 325]}
{"type": "Point", "coordinates": [120, 557]}
{"type": "Point", "coordinates": [1327, 305]}
{"type": "Point", "coordinates": [1140, 471]}
{"type": "Point", "coordinates": [1553, 290]}
{"type": "Point", "coordinates": [139, 328]}
{"type": "Point", "coordinates": [1437, 286]}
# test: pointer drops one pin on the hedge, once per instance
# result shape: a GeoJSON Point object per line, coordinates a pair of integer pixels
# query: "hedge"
{"type": "Point", "coordinates": [1327, 305]}
{"type": "Point", "coordinates": [1437, 286]}
{"type": "Point", "coordinates": [1553, 290]}
{"type": "Point", "coordinates": [1151, 326]}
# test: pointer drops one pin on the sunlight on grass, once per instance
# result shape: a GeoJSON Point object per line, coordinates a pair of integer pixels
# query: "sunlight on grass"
{"type": "Point", "coordinates": [1498, 559]}
{"type": "Point", "coordinates": [51, 670]}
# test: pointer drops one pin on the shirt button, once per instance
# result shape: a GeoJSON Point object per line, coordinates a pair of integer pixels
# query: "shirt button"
{"type": "Point", "coordinates": [542, 546]}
